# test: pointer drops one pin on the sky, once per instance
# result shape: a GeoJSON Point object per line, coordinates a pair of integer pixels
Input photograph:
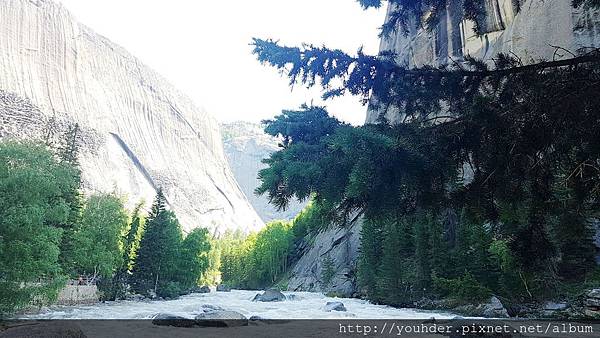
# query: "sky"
{"type": "Point", "coordinates": [202, 47]}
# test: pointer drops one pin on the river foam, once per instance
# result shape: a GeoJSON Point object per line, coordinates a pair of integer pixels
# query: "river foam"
{"type": "Point", "coordinates": [304, 305]}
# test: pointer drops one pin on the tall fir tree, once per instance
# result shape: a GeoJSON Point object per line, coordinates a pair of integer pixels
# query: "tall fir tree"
{"type": "Point", "coordinates": [156, 262]}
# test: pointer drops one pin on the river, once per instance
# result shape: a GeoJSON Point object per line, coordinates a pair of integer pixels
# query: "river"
{"type": "Point", "coordinates": [304, 305]}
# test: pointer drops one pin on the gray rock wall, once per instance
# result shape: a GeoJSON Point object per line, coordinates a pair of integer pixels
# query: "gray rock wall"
{"type": "Point", "coordinates": [148, 134]}
{"type": "Point", "coordinates": [338, 244]}
{"type": "Point", "coordinates": [246, 145]}
{"type": "Point", "coordinates": [532, 34]}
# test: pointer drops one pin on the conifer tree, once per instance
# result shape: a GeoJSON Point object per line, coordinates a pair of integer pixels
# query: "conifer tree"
{"type": "Point", "coordinates": [156, 262]}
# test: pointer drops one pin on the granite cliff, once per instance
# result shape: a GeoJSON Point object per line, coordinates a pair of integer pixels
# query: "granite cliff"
{"type": "Point", "coordinates": [138, 131]}
{"type": "Point", "coordinates": [538, 30]}
{"type": "Point", "coordinates": [246, 145]}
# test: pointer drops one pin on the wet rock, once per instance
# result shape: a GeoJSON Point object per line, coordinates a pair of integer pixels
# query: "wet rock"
{"type": "Point", "coordinates": [552, 306]}
{"type": "Point", "coordinates": [211, 308]}
{"type": "Point", "coordinates": [292, 297]}
{"type": "Point", "coordinates": [335, 306]}
{"type": "Point", "coordinates": [491, 309]}
{"type": "Point", "coordinates": [135, 298]}
{"type": "Point", "coordinates": [166, 319]}
{"type": "Point", "coordinates": [271, 295]}
{"type": "Point", "coordinates": [594, 293]}
{"type": "Point", "coordinates": [202, 289]}
{"type": "Point", "coordinates": [223, 318]}
{"type": "Point", "coordinates": [494, 309]}
{"type": "Point", "coordinates": [255, 318]}
{"type": "Point", "coordinates": [59, 328]}
{"type": "Point", "coordinates": [223, 288]}
{"type": "Point", "coordinates": [592, 303]}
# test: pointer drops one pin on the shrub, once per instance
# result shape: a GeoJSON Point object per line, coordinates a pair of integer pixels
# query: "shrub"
{"type": "Point", "coordinates": [465, 288]}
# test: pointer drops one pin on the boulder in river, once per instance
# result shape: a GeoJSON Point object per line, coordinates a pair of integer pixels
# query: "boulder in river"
{"type": "Point", "coordinates": [271, 295]}
{"type": "Point", "coordinates": [223, 318]}
{"type": "Point", "coordinates": [202, 289]}
{"type": "Point", "coordinates": [492, 309]}
{"type": "Point", "coordinates": [223, 288]}
{"type": "Point", "coordinates": [211, 308]}
{"type": "Point", "coordinates": [335, 306]}
{"type": "Point", "coordinates": [166, 319]}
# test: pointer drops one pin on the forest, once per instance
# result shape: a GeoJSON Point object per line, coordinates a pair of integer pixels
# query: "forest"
{"type": "Point", "coordinates": [51, 233]}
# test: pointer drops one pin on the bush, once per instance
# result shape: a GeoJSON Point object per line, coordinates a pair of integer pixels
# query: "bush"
{"type": "Point", "coordinates": [464, 289]}
{"type": "Point", "coordinates": [170, 290]}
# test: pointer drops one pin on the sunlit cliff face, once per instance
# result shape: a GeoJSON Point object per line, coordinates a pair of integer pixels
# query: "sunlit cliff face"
{"type": "Point", "coordinates": [140, 133]}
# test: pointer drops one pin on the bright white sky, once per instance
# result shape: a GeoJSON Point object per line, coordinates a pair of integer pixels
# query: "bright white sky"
{"type": "Point", "coordinates": [202, 46]}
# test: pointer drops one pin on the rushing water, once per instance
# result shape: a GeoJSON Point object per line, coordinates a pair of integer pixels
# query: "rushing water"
{"type": "Point", "coordinates": [305, 305]}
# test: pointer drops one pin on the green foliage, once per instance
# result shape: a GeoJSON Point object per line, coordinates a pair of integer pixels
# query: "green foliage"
{"type": "Point", "coordinates": [464, 289]}
{"type": "Point", "coordinates": [97, 246]}
{"type": "Point", "coordinates": [327, 271]}
{"type": "Point", "coordinates": [157, 258]}
{"type": "Point", "coordinates": [310, 220]}
{"type": "Point", "coordinates": [166, 263]}
{"type": "Point", "coordinates": [194, 259]}
{"type": "Point", "coordinates": [496, 144]}
{"type": "Point", "coordinates": [259, 260]}
{"type": "Point", "coordinates": [212, 275]}
{"type": "Point", "coordinates": [131, 241]}
{"type": "Point", "coordinates": [32, 189]}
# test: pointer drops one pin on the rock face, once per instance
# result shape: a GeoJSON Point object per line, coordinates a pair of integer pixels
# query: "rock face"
{"type": "Point", "coordinates": [246, 145]}
{"type": "Point", "coordinates": [146, 134]}
{"type": "Point", "coordinates": [532, 33]}
{"type": "Point", "coordinates": [340, 246]}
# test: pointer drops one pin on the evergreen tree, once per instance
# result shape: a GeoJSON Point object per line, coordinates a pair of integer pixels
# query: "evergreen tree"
{"type": "Point", "coordinates": [131, 241]}
{"type": "Point", "coordinates": [370, 255]}
{"type": "Point", "coordinates": [67, 151]}
{"type": "Point", "coordinates": [422, 255]}
{"type": "Point", "coordinates": [155, 267]}
{"type": "Point", "coordinates": [527, 132]}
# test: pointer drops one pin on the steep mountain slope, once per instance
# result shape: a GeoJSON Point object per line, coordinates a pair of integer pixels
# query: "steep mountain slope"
{"type": "Point", "coordinates": [246, 145]}
{"type": "Point", "coordinates": [147, 133]}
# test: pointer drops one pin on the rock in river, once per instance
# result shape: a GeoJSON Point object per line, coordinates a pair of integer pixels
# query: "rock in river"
{"type": "Point", "coordinates": [335, 306]}
{"type": "Point", "coordinates": [166, 319]}
{"type": "Point", "coordinates": [221, 319]}
{"type": "Point", "coordinates": [271, 295]}
{"type": "Point", "coordinates": [223, 288]}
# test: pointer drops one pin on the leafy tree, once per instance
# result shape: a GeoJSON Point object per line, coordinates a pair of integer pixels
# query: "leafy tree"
{"type": "Point", "coordinates": [193, 259]}
{"type": "Point", "coordinates": [97, 241]}
{"type": "Point", "coordinates": [33, 185]}
{"type": "Point", "coordinates": [258, 260]}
